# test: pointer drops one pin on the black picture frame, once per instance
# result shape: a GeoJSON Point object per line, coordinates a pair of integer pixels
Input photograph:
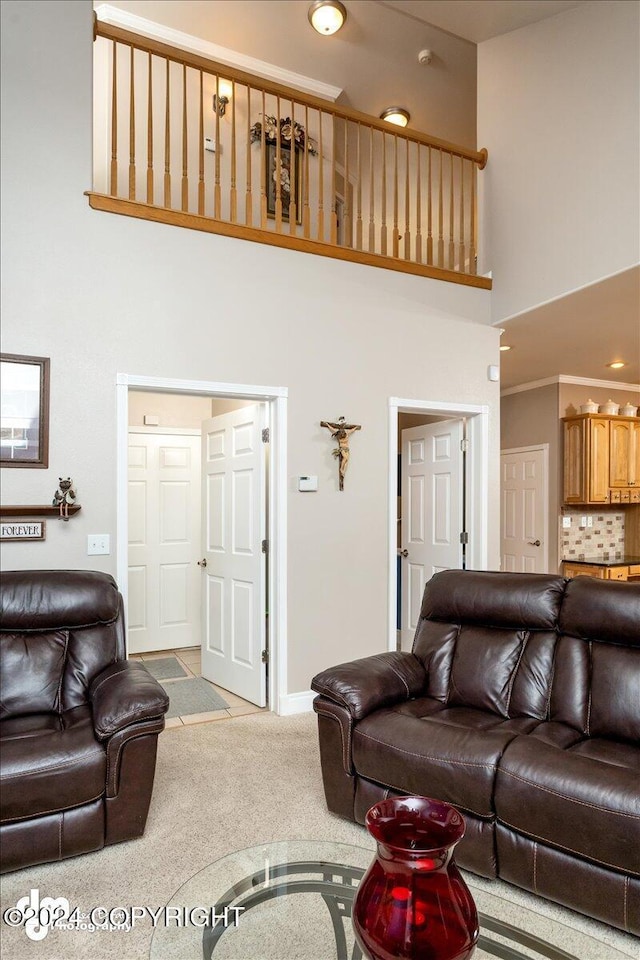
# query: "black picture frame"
{"type": "Point", "coordinates": [271, 160]}
{"type": "Point", "coordinates": [24, 411]}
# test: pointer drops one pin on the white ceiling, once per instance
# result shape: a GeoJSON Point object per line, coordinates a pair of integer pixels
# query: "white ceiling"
{"type": "Point", "coordinates": [478, 20]}
{"type": "Point", "coordinates": [374, 60]}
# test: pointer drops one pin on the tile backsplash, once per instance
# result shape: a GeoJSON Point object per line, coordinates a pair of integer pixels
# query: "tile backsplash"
{"type": "Point", "coordinates": [604, 540]}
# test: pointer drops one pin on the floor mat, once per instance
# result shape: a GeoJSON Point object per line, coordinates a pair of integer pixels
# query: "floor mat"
{"type": "Point", "coordinates": [165, 668]}
{"type": "Point", "coordinates": [192, 696]}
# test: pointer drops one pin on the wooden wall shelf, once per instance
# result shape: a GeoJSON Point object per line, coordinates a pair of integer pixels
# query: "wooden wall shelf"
{"type": "Point", "coordinates": [35, 511]}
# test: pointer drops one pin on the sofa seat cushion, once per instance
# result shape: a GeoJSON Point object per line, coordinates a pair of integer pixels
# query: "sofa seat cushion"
{"type": "Point", "coordinates": [583, 799]}
{"type": "Point", "coordinates": [49, 762]}
{"type": "Point", "coordinates": [449, 753]}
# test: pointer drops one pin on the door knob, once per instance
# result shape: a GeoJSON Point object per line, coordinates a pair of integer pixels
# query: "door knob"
{"type": "Point", "coordinates": [534, 543]}
{"type": "Point", "coordinates": [404, 553]}
{"type": "Point", "coordinates": [202, 563]}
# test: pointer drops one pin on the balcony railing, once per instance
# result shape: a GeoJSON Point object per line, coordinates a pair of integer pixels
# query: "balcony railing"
{"type": "Point", "coordinates": [184, 140]}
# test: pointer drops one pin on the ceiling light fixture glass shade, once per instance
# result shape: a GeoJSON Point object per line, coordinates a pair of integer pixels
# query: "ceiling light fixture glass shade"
{"type": "Point", "coordinates": [327, 16]}
{"type": "Point", "coordinates": [504, 347]}
{"type": "Point", "coordinates": [397, 115]}
{"type": "Point", "coordinates": [617, 364]}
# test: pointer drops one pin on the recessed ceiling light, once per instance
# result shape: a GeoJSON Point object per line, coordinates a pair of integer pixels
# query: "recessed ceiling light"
{"type": "Point", "coordinates": [617, 364]}
{"type": "Point", "coordinates": [504, 346]}
{"type": "Point", "coordinates": [397, 115]}
{"type": "Point", "coordinates": [327, 16]}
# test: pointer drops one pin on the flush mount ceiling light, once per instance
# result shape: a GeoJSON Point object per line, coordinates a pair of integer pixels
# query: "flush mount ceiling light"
{"type": "Point", "coordinates": [504, 346]}
{"type": "Point", "coordinates": [397, 115]}
{"type": "Point", "coordinates": [617, 364]}
{"type": "Point", "coordinates": [327, 16]}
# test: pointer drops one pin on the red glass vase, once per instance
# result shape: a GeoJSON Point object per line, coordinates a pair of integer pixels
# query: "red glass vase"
{"type": "Point", "coordinates": [412, 903]}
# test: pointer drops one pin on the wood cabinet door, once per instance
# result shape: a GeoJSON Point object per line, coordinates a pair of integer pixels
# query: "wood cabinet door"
{"type": "Point", "coordinates": [621, 437]}
{"type": "Point", "coordinates": [634, 454]}
{"type": "Point", "coordinates": [574, 461]}
{"type": "Point", "coordinates": [598, 462]}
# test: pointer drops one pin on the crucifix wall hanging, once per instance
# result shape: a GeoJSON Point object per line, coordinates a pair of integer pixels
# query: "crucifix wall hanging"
{"type": "Point", "coordinates": [341, 432]}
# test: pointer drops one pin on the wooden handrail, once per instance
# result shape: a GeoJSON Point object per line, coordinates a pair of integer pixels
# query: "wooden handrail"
{"type": "Point", "coordinates": [183, 57]}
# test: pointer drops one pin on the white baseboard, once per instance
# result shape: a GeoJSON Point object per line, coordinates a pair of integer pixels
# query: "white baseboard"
{"type": "Point", "coordinates": [296, 703]}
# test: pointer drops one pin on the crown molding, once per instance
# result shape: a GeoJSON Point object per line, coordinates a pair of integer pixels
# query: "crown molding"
{"type": "Point", "coordinates": [562, 378]}
{"type": "Point", "coordinates": [185, 41]}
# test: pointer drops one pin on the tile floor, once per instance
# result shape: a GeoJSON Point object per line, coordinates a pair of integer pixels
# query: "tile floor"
{"type": "Point", "coordinates": [189, 658]}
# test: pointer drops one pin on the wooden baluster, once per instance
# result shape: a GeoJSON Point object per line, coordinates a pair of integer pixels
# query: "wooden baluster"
{"type": "Point", "coordinates": [167, 144]}
{"type": "Point", "coordinates": [263, 172]}
{"type": "Point", "coordinates": [113, 178]}
{"type": "Point", "coordinates": [278, 171]}
{"type": "Point", "coordinates": [347, 236]}
{"type": "Point", "coordinates": [359, 200]}
{"type": "Point", "coordinates": [418, 210]}
{"type": "Point", "coordinates": [396, 232]}
{"type": "Point", "coordinates": [201, 150]}
{"type": "Point", "coordinates": [383, 228]}
{"type": "Point", "coordinates": [461, 249]}
{"type": "Point", "coordinates": [320, 184]}
{"type": "Point", "coordinates": [333, 228]}
{"type": "Point", "coordinates": [185, 177]}
{"type": "Point", "coordinates": [306, 212]}
{"type": "Point", "coordinates": [372, 226]}
{"type": "Point", "coordinates": [217, 194]}
{"type": "Point", "coordinates": [150, 134]}
{"type": "Point", "coordinates": [429, 211]}
{"type": "Point", "coordinates": [407, 207]}
{"type": "Point", "coordinates": [293, 180]}
{"type": "Point", "coordinates": [440, 218]}
{"type": "Point", "coordinates": [473, 241]}
{"type": "Point", "coordinates": [452, 244]}
{"type": "Point", "coordinates": [248, 203]}
{"type": "Point", "coordinates": [132, 130]}
{"type": "Point", "coordinates": [233, 194]}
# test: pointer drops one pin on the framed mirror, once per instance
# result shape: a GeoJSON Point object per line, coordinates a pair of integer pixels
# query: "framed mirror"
{"type": "Point", "coordinates": [24, 411]}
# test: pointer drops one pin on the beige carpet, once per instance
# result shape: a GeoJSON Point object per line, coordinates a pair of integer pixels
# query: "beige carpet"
{"type": "Point", "coordinates": [219, 787]}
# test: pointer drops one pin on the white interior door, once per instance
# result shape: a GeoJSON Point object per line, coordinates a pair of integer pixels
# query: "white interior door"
{"type": "Point", "coordinates": [524, 546]}
{"type": "Point", "coordinates": [164, 542]}
{"type": "Point", "coordinates": [432, 512]}
{"type": "Point", "coordinates": [234, 522]}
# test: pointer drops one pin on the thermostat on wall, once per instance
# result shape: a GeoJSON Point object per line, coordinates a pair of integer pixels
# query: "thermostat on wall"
{"type": "Point", "coordinates": [307, 484]}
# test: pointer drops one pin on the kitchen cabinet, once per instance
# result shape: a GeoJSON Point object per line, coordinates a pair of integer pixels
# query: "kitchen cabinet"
{"type": "Point", "coordinates": [601, 459]}
{"type": "Point", "coordinates": [606, 570]}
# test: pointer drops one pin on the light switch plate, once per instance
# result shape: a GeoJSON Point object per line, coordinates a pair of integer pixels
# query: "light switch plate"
{"type": "Point", "coordinates": [98, 544]}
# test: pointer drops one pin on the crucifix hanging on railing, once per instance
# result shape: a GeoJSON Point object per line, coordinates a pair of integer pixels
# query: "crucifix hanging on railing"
{"type": "Point", "coordinates": [341, 432]}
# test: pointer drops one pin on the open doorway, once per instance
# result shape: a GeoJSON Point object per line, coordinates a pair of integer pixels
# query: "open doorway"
{"type": "Point", "coordinates": [196, 561]}
{"type": "Point", "coordinates": [438, 488]}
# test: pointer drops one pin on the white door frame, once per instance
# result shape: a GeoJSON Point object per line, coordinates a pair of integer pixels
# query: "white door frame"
{"type": "Point", "coordinates": [476, 493]}
{"type": "Point", "coordinates": [277, 398]}
{"type": "Point", "coordinates": [544, 447]}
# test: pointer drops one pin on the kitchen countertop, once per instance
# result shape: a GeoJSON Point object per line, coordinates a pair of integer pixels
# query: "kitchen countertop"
{"type": "Point", "coordinates": [598, 561]}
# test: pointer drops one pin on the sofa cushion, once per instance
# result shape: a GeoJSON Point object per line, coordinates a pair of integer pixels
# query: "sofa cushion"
{"type": "Point", "coordinates": [49, 763]}
{"type": "Point", "coordinates": [583, 799]}
{"type": "Point", "coordinates": [31, 669]}
{"type": "Point", "coordinates": [451, 754]}
{"type": "Point", "coordinates": [602, 610]}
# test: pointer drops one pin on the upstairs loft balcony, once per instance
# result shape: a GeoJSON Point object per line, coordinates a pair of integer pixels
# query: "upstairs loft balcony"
{"type": "Point", "coordinates": [183, 140]}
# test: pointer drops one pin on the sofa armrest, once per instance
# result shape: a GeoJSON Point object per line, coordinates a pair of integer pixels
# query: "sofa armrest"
{"type": "Point", "coordinates": [123, 694]}
{"type": "Point", "coordinates": [363, 686]}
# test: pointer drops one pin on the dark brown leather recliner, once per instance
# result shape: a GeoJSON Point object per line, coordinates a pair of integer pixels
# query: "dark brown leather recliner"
{"type": "Point", "coordinates": [79, 723]}
{"type": "Point", "coordinates": [520, 705]}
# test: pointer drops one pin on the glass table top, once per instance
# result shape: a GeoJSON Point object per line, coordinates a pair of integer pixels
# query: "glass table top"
{"type": "Point", "coordinates": [297, 898]}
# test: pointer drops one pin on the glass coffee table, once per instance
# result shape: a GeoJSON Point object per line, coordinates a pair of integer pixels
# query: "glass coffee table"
{"type": "Point", "coordinates": [297, 896]}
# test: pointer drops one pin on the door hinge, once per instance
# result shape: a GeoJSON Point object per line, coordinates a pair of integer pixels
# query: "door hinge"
{"type": "Point", "coordinates": [464, 445]}
{"type": "Point", "coordinates": [265, 435]}
{"type": "Point", "coordinates": [265, 546]}
{"type": "Point", "coordinates": [265, 656]}
{"type": "Point", "coordinates": [464, 537]}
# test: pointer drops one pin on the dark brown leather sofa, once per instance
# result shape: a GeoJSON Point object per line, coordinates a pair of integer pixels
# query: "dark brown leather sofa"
{"type": "Point", "coordinates": [79, 724]}
{"type": "Point", "coordinates": [520, 705]}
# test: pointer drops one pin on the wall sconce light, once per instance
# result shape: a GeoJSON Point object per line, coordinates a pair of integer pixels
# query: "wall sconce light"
{"type": "Point", "coordinates": [397, 115]}
{"type": "Point", "coordinates": [327, 16]}
{"type": "Point", "coordinates": [222, 97]}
